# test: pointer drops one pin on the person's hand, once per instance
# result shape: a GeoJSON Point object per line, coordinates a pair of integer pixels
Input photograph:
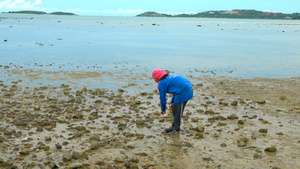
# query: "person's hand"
{"type": "Point", "coordinates": [162, 113]}
{"type": "Point", "coordinates": [171, 107]}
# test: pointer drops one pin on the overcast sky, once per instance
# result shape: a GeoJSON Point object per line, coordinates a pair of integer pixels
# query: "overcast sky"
{"type": "Point", "coordinates": [134, 7]}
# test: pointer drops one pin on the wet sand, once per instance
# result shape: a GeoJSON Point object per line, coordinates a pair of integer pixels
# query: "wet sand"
{"type": "Point", "coordinates": [110, 119]}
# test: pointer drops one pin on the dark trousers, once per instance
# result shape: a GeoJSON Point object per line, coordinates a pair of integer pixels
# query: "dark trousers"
{"type": "Point", "coordinates": [177, 114]}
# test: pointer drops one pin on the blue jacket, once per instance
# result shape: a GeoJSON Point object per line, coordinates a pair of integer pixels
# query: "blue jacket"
{"type": "Point", "coordinates": [177, 85]}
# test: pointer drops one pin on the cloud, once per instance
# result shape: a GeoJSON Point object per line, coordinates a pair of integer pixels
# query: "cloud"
{"type": "Point", "coordinates": [5, 3]}
{"type": "Point", "coordinates": [77, 10]}
{"type": "Point", "coordinates": [107, 11]}
{"type": "Point", "coordinates": [177, 13]}
{"type": "Point", "coordinates": [20, 4]}
{"type": "Point", "coordinates": [123, 11]}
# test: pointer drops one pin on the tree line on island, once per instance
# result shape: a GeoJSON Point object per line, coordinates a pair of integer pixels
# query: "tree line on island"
{"type": "Point", "coordinates": [39, 13]}
{"type": "Point", "coordinates": [236, 13]}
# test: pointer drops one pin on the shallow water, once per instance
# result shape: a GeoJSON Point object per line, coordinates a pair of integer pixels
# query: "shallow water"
{"type": "Point", "coordinates": [239, 48]}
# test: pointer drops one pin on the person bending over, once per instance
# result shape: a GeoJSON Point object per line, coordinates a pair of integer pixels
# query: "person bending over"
{"type": "Point", "coordinates": [182, 91]}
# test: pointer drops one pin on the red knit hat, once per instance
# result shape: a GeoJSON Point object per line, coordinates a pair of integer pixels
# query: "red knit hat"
{"type": "Point", "coordinates": [157, 74]}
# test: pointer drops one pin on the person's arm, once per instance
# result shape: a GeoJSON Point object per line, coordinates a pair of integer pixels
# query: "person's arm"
{"type": "Point", "coordinates": [162, 94]}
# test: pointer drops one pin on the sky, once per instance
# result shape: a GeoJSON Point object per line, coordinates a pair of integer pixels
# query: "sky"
{"type": "Point", "coordinates": [134, 7]}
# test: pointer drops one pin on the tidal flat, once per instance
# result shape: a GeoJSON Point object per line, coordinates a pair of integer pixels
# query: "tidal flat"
{"type": "Point", "coordinates": [110, 119]}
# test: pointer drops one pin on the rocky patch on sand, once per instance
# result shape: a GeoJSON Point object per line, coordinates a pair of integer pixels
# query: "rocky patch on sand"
{"type": "Point", "coordinates": [232, 123]}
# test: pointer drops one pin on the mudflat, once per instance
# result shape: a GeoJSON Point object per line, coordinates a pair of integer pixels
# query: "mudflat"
{"type": "Point", "coordinates": [110, 119]}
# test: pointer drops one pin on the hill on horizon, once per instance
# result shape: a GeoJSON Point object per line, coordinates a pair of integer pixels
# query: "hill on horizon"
{"type": "Point", "coordinates": [236, 13]}
{"type": "Point", "coordinates": [40, 13]}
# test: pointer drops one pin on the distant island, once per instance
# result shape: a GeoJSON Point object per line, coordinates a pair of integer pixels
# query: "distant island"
{"type": "Point", "coordinates": [39, 13]}
{"type": "Point", "coordinates": [236, 13]}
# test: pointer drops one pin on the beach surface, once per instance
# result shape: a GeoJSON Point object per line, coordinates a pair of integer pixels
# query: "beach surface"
{"type": "Point", "coordinates": [110, 119]}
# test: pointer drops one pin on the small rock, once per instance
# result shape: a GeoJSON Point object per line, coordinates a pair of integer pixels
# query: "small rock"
{"type": "Point", "coordinates": [242, 141]}
{"type": "Point", "coordinates": [207, 159]}
{"type": "Point", "coordinates": [263, 130]}
{"type": "Point", "coordinates": [209, 111]}
{"type": "Point", "coordinates": [200, 111]}
{"type": "Point", "coordinates": [95, 137]}
{"type": "Point", "coordinates": [200, 128]}
{"type": "Point", "coordinates": [24, 153]}
{"type": "Point", "coordinates": [48, 139]}
{"type": "Point", "coordinates": [161, 120]}
{"type": "Point", "coordinates": [2, 139]}
{"type": "Point", "coordinates": [222, 124]}
{"type": "Point", "coordinates": [76, 166]}
{"type": "Point", "coordinates": [76, 155]}
{"type": "Point", "coordinates": [100, 163]}
{"type": "Point", "coordinates": [234, 103]}
{"type": "Point", "coordinates": [121, 90]}
{"type": "Point", "coordinates": [241, 122]}
{"type": "Point", "coordinates": [256, 156]}
{"type": "Point", "coordinates": [52, 165]}
{"type": "Point", "coordinates": [280, 133]}
{"type": "Point", "coordinates": [198, 136]}
{"type": "Point", "coordinates": [39, 129]}
{"type": "Point", "coordinates": [134, 160]}
{"type": "Point", "coordinates": [271, 149]}
{"type": "Point", "coordinates": [58, 146]}
{"type": "Point", "coordinates": [65, 143]}
{"type": "Point", "coordinates": [253, 136]}
{"type": "Point", "coordinates": [232, 117]}
{"type": "Point", "coordinates": [119, 161]}
{"type": "Point", "coordinates": [275, 167]}
{"type": "Point", "coordinates": [194, 120]}
{"type": "Point", "coordinates": [261, 102]}
{"type": "Point", "coordinates": [140, 122]}
{"type": "Point", "coordinates": [218, 118]}
{"type": "Point", "coordinates": [282, 97]}
{"type": "Point", "coordinates": [67, 157]}
{"type": "Point", "coordinates": [21, 123]}
{"type": "Point", "coordinates": [223, 145]}
{"type": "Point", "coordinates": [36, 108]}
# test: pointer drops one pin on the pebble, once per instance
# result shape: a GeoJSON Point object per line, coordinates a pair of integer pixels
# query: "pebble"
{"type": "Point", "coordinates": [257, 156]}
{"type": "Point", "coordinates": [253, 136]}
{"type": "Point", "coordinates": [161, 120]}
{"type": "Point", "coordinates": [67, 157]}
{"type": "Point", "coordinates": [232, 117]}
{"type": "Point", "coordinates": [223, 145]}
{"type": "Point", "coordinates": [234, 103]}
{"type": "Point", "coordinates": [271, 149]}
{"type": "Point", "coordinates": [200, 128]}
{"type": "Point", "coordinates": [241, 122]}
{"type": "Point", "coordinates": [242, 141]}
{"type": "Point", "coordinates": [263, 130]}
{"type": "Point", "coordinates": [280, 133]}
{"type": "Point", "coordinates": [58, 146]}
{"type": "Point", "coordinates": [261, 102]}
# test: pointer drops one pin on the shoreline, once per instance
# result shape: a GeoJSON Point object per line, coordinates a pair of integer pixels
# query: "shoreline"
{"type": "Point", "coordinates": [157, 17]}
{"type": "Point", "coordinates": [230, 122]}
{"type": "Point", "coordinates": [36, 14]}
{"type": "Point", "coordinates": [219, 18]}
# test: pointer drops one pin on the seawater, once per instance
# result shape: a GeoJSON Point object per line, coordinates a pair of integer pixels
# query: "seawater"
{"type": "Point", "coordinates": [247, 48]}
